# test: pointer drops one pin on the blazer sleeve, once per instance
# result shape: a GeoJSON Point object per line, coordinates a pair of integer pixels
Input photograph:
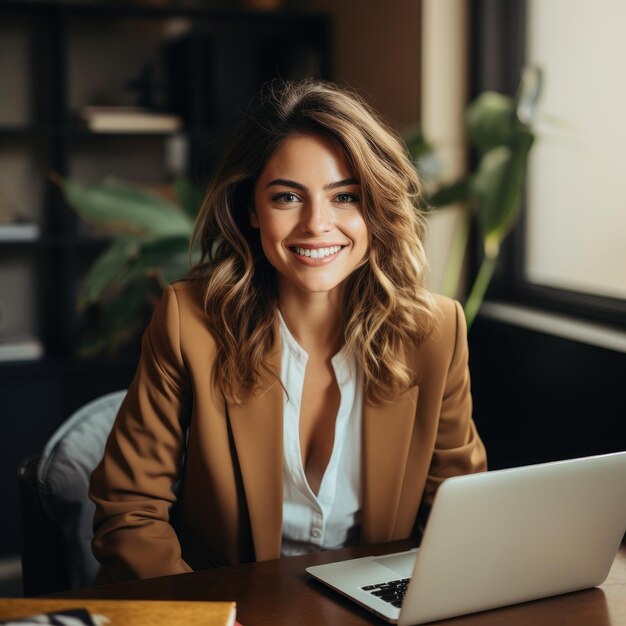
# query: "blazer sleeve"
{"type": "Point", "coordinates": [133, 486]}
{"type": "Point", "coordinates": [458, 448]}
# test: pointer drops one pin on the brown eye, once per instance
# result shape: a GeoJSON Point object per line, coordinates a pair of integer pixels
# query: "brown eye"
{"type": "Point", "coordinates": [346, 198]}
{"type": "Point", "coordinates": [287, 197]}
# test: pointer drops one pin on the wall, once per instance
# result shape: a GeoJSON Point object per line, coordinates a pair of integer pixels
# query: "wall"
{"type": "Point", "coordinates": [444, 93]}
{"type": "Point", "coordinates": [539, 397]}
{"type": "Point", "coordinates": [376, 49]}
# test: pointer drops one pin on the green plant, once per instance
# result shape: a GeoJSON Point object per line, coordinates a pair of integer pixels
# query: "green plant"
{"type": "Point", "coordinates": [149, 248]}
{"type": "Point", "coordinates": [499, 130]}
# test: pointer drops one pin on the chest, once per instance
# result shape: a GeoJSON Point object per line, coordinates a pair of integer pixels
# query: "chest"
{"type": "Point", "coordinates": [322, 403]}
{"type": "Point", "coordinates": [318, 415]}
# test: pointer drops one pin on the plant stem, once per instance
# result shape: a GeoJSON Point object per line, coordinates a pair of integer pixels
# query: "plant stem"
{"type": "Point", "coordinates": [477, 295]}
{"type": "Point", "coordinates": [454, 265]}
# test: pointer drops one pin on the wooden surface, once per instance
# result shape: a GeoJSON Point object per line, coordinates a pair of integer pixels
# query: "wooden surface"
{"type": "Point", "coordinates": [280, 592]}
{"type": "Point", "coordinates": [127, 612]}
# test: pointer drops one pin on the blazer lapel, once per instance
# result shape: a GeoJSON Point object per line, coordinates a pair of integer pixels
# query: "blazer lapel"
{"type": "Point", "coordinates": [387, 430]}
{"type": "Point", "coordinates": [257, 426]}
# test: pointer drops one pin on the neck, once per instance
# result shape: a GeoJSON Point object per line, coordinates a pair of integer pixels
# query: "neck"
{"type": "Point", "coordinates": [313, 319]}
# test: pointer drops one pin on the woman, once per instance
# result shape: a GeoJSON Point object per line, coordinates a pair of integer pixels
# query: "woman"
{"type": "Point", "coordinates": [302, 390]}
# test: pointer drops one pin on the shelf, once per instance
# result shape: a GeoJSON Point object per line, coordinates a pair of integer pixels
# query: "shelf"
{"type": "Point", "coordinates": [28, 132]}
{"type": "Point", "coordinates": [83, 133]}
{"type": "Point", "coordinates": [12, 233]}
{"type": "Point", "coordinates": [197, 132]}
{"type": "Point", "coordinates": [43, 240]}
{"type": "Point", "coordinates": [24, 350]}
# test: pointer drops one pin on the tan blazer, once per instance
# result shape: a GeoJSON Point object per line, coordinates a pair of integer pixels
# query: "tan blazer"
{"type": "Point", "coordinates": [228, 504]}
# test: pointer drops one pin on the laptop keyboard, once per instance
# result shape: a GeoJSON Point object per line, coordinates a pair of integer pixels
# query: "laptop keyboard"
{"type": "Point", "coordinates": [392, 591]}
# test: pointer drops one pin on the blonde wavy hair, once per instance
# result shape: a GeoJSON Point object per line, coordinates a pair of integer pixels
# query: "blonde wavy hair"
{"type": "Point", "coordinates": [386, 308]}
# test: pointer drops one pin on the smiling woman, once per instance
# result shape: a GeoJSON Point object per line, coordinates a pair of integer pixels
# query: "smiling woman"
{"type": "Point", "coordinates": [383, 304]}
{"type": "Point", "coordinates": [302, 390]}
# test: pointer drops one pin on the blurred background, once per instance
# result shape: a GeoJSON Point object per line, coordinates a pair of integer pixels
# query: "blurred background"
{"type": "Point", "coordinates": [107, 106]}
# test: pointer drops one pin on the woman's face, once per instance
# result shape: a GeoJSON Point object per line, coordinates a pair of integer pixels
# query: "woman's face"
{"type": "Point", "coordinates": [307, 207]}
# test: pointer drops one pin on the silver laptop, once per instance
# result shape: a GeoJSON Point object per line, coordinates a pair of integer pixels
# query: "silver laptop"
{"type": "Point", "coordinates": [495, 539]}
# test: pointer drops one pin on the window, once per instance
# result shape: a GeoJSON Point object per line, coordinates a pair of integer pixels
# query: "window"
{"type": "Point", "coordinates": [569, 252]}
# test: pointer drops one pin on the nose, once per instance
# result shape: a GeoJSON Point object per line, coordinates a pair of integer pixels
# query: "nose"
{"type": "Point", "coordinates": [318, 217]}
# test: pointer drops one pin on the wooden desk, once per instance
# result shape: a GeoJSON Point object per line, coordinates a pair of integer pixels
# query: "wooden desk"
{"type": "Point", "coordinates": [281, 592]}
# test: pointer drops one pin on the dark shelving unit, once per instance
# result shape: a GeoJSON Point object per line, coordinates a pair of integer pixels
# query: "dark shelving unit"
{"type": "Point", "coordinates": [208, 63]}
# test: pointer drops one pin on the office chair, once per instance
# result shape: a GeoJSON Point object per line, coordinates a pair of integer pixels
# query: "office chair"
{"type": "Point", "coordinates": [56, 512]}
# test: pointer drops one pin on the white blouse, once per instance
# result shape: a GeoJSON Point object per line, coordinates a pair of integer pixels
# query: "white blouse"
{"type": "Point", "coordinates": [332, 518]}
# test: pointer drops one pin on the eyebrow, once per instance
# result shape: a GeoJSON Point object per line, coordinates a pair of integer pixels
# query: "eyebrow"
{"type": "Point", "coordinates": [283, 182]}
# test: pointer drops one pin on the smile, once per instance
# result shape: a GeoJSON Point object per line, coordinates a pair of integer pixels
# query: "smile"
{"type": "Point", "coordinates": [316, 256]}
{"type": "Point", "coordinates": [317, 253]}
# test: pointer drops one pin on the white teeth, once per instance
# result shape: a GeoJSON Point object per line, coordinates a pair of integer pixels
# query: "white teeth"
{"type": "Point", "coordinates": [317, 253]}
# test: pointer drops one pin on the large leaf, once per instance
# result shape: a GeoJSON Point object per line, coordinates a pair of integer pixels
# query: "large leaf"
{"type": "Point", "coordinates": [490, 120]}
{"type": "Point", "coordinates": [107, 270]}
{"type": "Point", "coordinates": [118, 207]}
{"type": "Point", "coordinates": [119, 319]}
{"type": "Point", "coordinates": [497, 188]}
{"type": "Point", "coordinates": [416, 143]}
{"type": "Point", "coordinates": [177, 267]}
{"type": "Point", "coordinates": [423, 154]}
{"type": "Point", "coordinates": [189, 195]}
{"type": "Point", "coordinates": [156, 256]}
{"type": "Point", "coordinates": [456, 192]}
